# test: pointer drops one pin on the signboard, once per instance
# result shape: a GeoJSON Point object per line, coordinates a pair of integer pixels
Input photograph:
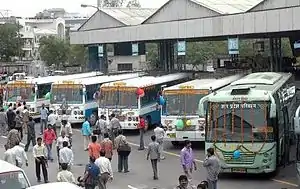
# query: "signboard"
{"type": "Point", "coordinates": [186, 91]}
{"type": "Point", "coordinates": [135, 49]}
{"type": "Point", "coordinates": [233, 46]}
{"type": "Point", "coordinates": [241, 106]}
{"type": "Point", "coordinates": [68, 82]}
{"type": "Point", "coordinates": [67, 86]}
{"type": "Point", "coordinates": [297, 44]}
{"type": "Point", "coordinates": [124, 89]}
{"type": "Point", "coordinates": [119, 84]}
{"type": "Point", "coordinates": [181, 48]}
{"type": "Point", "coordinates": [100, 51]}
{"type": "Point", "coordinates": [186, 87]}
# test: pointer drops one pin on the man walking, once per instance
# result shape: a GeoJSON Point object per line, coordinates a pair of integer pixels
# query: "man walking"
{"type": "Point", "coordinates": [141, 127]}
{"type": "Point", "coordinates": [187, 160]}
{"type": "Point", "coordinates": [40, 156]}
{"type": "Point", "coordinates": [86, 132]}
{"type": "Point", "coordinates": [115, 126]}
{"type": "Point", "coordinates": [107, 145]}
{"type": "Point", "coordinates": [213, 167]}
{"type": "Point", "coordinates": [11, 118]}
{"type": "Point", "coordinates": [19, 123]}
{"type": "Point", "coordinates": [3, 123]}
{"type": "Point", "coordinates": [159, 134]}
{"type": "Point", "coordinates": [154, 153]}
{"type": "Point", "coordinates": [52, 119]}
{"type": "Point", "coordinates": [30, 133]}
{"type": "Point", "coordinates": [91, 175]}
{"type": "Point", "coordinates": [25, 115]}
{"type": "Point", "coordinates": [106, 172]}
{"type": "Point", "coordinates": [66, 155]}
{"type": "Point", "coordinates": [44, 116]}
{"type": "Point", "coordinates": [94, 148]}
{"type": "Point", "coordinates": [49, 137]}
{"type": "Point", "coordinates": [101, 127]}
{"type": "Point", "coordinates": [20, 155]}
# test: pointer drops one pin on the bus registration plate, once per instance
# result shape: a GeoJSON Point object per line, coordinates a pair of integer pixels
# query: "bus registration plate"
{"type": "Point", "coordinates": [171, 135]}
{"type": "Point", "coordinates": [239, 170]}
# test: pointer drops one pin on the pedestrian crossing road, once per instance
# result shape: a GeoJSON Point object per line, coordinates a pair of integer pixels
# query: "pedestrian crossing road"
{"type": "Point", "coordinates": [140, 175]}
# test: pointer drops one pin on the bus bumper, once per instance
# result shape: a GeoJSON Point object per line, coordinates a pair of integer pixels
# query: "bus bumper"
{"type": "Point", "coordinates": [76, 119]}
{"type": "Point", "coordinates": [129, 125]}
{"type": "Point", "coordinates": [195, 136]}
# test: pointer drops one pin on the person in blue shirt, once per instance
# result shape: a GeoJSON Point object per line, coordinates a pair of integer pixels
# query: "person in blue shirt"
{"type": "Point", "coordinates": [91, 175]}
{"type": "Point", "coordinates": [86, 132]}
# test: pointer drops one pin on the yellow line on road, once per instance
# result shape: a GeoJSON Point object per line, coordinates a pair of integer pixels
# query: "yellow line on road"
{"type": "Point", "coordinates": [200, 161]}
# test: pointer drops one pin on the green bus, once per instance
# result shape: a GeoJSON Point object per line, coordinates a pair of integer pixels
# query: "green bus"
{"type": "Point", "coordinates": [249, 122]}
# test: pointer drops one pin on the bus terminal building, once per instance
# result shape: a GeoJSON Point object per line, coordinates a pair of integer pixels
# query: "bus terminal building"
{"type": "Point", "coordinates": [180, 21]}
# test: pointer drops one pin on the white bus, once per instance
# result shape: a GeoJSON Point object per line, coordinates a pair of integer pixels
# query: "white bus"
{"type": "Point", "coordinates": [182, 104]}
{"type": "Point", "coordinates": [249, 123]}
{"type": "Point", "coordinates": [121, 98]}
{"type": "Point", "coordinates": [34, 91]}
{"type": "Point", "coordinates": [77, 97]}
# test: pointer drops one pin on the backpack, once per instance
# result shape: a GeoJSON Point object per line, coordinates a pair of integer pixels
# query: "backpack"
{"type": "Point", "coordinates": [91, 176]}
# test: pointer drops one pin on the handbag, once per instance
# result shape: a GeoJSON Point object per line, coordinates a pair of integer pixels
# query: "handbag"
{"type": "Point", "coordinates": [124, 146]}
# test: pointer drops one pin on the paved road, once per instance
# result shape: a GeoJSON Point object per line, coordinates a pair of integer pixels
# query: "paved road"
{"type": "Point", "coordinates": [140, 175]}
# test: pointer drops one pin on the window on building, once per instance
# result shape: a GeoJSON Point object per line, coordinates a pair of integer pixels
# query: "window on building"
{"type": "Point", "coordinates": [124, 67]}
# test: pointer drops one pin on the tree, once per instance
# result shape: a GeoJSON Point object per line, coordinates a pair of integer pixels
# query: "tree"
{"type": "Point", "coordinates": [78, 55]}
{"type": "Point", "coordinates": [113, 3]}
{"type": "Point", "coordinates": [10, 39]}
{"type": "Point", "coordinates": [54, 51]}
{"type": "Point", "coordinates": [134, 3]}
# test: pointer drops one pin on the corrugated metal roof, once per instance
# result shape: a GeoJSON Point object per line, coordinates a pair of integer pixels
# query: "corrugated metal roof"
{"type": "Point", "coordinates": [229, 6]}
{"type": "Point", "coordinates": [129, 16]}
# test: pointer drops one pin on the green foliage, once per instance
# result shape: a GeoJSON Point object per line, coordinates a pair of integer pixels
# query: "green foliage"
{"type": "Point", "coordinates": [78, 55]}
{"type": "Point", "coordinates": [133, 3]}
{"type": "Point", "coordinates": [9, 41]}
{"type": "Point", "coordinates": [54, 51]}
{"type": "Point", "coordinates": [113, 3]}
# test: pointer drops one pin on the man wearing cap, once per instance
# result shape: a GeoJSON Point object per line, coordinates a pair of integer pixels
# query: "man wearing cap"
{"type": "Point", "coordinates": [66, 127]}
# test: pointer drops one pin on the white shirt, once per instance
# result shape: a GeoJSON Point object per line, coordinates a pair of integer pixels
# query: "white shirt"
{"type": "Point", "coordinates": [104, 165]}
{"type": "Point", "coordinates": [159, 133]}
{"type": "Point", "coordinates": [66, 156]}
{"type": "Point", "coordinates": [65, 176]}
{"type": "Point", "coordinates": [67, 128]}
{"type": "Point", "coordinates": [20, 154]}
{"type": "Point", "coordinates": [60, 140]}
{"type": "Point", "coordinates": [39, 151]}
{"type": "Point", "coordinates": [9, 156]}
{"type": "Point", "coordinates": [52, 119]}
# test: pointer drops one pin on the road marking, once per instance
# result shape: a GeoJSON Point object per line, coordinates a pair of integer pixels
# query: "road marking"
{"type": "Point", "coordinates": [131, 187]}
{"type": "Point", "coordinates": [200, 161]}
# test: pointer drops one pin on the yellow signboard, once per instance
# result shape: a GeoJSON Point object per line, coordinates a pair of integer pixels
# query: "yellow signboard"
{"type": "Point", "coordinates": [186, 91]}
{"type": "Point", "coordinates": [124, 89]}
{"type": "Point", "coordinates": [19, 85]}
{"type": "Point", "coordinates": [67, 86]}
{"type": "Point", "coordinates": [68, 82]}
{"type": "Point", "coordinates": [119, 84]}
{"type": "Point", "coordinates": [186, 87]}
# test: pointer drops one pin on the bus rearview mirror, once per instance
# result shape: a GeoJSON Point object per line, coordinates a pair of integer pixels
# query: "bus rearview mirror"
{"type": "Point", "coordinates": [272, 110]}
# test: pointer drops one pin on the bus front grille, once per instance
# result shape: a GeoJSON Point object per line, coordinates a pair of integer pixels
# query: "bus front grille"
{"type": "Point", "coordinates": [245, 158]}
{"type": "Point", "coordinates": [187, 128]}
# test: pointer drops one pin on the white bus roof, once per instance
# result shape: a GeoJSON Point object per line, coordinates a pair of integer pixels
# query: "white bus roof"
{"type": "Point", "coordinates": [206, 83]}
{"type": "Point", "coordinates": [259, 85]}
{"type": "Point", "coordinates": [102, 79]}
{"type": "Point", "coordinates": [51, 79]}
{"type": "Point", "coordinates": [52, 185]}
{"type": "Point", "coordinates": [144, 81]}
{"type": "Point", "coordinates": [7, 167]}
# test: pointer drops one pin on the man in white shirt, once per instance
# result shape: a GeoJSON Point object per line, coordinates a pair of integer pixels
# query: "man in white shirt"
{"type": "Point", "coordinates": [66, 155]}
{"type": "Point", "coordinates": [60, 140]}
{"type": "Point", "coordinates": [9, 155]}
{"type": "Point", "coordinates": [159, 134]}
{"type": "Point", "coordinates": [66, 126]}
{"type": "Point", "coordinates": [40, 156]}
{"type": "Point", "coordinates": [52, 118]}
{"type": "Point", "coordinates": [64, 175]}
{"type": "Point", "coordinates": [20, 155]}
{"type": "Point", "coordinates": [106, 172]}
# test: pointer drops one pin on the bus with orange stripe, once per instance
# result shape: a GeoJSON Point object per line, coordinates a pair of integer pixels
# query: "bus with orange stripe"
{"type": "Point", "coordinates": [249, 122]}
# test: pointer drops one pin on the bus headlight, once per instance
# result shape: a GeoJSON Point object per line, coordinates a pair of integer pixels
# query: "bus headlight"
{"type": "Point", "coordinates": [201, 128]}
{"type": "Point", "coordinates": [129, 118]}
{"type": "Point", "coordinates": [75, 112]}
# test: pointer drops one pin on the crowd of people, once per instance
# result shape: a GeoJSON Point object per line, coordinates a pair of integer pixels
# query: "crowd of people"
{"type": "Point", "coordinates": [100, 141]}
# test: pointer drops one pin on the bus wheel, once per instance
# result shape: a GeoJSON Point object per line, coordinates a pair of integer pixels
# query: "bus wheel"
{"type": "Point", "coordinates": [175, 143]}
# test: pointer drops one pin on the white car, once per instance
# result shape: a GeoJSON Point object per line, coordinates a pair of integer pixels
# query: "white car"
{"type": "Point", "coordinates": [52, 185]}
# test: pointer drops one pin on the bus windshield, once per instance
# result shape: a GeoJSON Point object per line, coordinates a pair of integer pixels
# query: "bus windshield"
{"type": "Point", "coordinates": [13, 180]}
{"type": "Point", "coordinates": [69, 95]}
{"type": "Point", "coordinates": [182, 104]}
{"type": "Point", "coordinates": [118, 98]}
{"type": "Point", "coordinates": [19, 92]}
{"type": "Point", "coordinates": [235, 122]}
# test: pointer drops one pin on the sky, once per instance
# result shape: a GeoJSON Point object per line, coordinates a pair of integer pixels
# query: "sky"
{"type": "Point", "coordinates": [28, 8]}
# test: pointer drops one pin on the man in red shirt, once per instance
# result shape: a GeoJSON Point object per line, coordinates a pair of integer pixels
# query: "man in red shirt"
{"type": "Point", "coordinates": [141, 127]}
{"type": "Point", "coordinates": [49, 136]}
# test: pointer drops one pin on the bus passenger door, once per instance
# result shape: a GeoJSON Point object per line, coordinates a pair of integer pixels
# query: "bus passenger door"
{"type": "Point", "coordinates": [286, 140]}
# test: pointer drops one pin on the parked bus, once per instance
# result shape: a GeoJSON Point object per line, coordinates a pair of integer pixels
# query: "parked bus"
{"type": "Point", "coordinates": [182, 104]}
{"type": "Point", "coordinates": [34, 91]}
{"type": "Point", "coordinates": [77, 97]}
{"type": "Point", "coordinates": [121, 98]}
{"type": "Point", "coordinates": [249, 122]}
